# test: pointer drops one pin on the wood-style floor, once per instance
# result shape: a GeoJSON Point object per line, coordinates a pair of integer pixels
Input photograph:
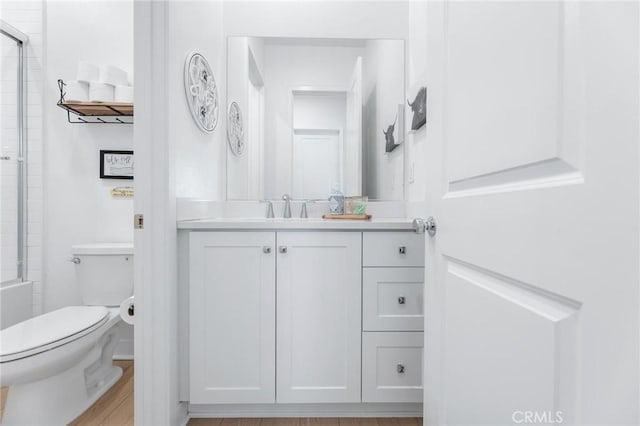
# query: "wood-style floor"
{"type": "Point", "coordinates": [316, 421]}
{"type": "Point", "coordinates": [115, 408]}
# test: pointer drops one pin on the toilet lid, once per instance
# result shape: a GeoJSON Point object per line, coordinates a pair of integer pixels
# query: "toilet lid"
{"type": "Point", "coordinates": [49, 328]}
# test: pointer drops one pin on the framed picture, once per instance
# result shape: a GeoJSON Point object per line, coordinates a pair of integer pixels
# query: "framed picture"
{"type": "Point", "coordinates": [116, 164]}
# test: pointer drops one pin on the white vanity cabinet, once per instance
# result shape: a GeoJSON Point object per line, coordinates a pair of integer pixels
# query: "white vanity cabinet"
{"type": "Point", "coordinates": [318, 286]}
{"type": "Point", "coordinates": [289, 318]}
{"type": "Point", "coordinates": [232, 278]}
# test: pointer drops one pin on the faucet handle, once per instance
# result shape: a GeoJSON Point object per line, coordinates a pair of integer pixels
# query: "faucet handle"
{"type": "Point", "coordinates": [287, 206]}
{"type": "Point", "coordinates": [270, 214]}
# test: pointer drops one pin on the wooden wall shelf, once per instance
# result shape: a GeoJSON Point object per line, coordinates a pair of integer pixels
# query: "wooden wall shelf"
{"type": "Point", "coordinates": [99, 112]}
{"type": "Point", "coordinates": [96, 112]}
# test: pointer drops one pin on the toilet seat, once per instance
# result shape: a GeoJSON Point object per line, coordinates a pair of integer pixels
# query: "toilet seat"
{"type": "Point", "coordinates": [51, 330]}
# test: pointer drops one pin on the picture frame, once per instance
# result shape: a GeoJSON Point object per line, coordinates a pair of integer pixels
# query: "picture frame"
{"type": "Point", "coordinates": [116, 164]}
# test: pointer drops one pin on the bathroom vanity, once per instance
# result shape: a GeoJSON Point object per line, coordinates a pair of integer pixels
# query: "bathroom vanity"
{"type": "Point", "coordinates": [306, 317]}
{"type": "Point", "coordinates": [301, 316]}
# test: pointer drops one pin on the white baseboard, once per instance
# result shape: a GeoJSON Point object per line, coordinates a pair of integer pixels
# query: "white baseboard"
{"type": "Point", "coordinates": [305, 410]}
{"type": "Point", "coordinates": [124, 350]}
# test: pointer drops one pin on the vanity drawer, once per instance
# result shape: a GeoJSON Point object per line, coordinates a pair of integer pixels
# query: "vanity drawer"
{"type": "Point", "coordinates": [392, 299]}
{"type": "Point", "coordinates": [392, 367]}
{"type": "Point", "coordinates": [392, 249]}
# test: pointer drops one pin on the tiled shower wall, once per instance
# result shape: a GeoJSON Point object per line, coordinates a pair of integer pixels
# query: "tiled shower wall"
{"type": "Point", "coordinates": [27, 16]}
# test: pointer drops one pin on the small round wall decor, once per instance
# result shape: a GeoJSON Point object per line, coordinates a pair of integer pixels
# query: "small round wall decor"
{"type": "Point", "coordinates": [202, 92]}
{"type": "Point", "coordinates": [235, 129]}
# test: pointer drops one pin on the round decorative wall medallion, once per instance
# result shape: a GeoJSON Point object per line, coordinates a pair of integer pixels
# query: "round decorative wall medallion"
{"type": "Point", "coordinates": [235, 129]}
{"type": "Point", "coordinates": [202, 92]}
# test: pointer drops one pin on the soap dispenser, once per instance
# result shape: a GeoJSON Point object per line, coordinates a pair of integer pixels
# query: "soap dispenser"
{"type": "Point", "coordinates": [336, 201]}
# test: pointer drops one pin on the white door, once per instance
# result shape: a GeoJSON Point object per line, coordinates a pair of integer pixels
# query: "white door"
{"type": "Point", "coordinates": [232, 317]}
{"type": "Point", "coordinates": [319, 323]}
{"type": "Point", "coordinates": [353, 133]}
{"type": "Point", "coordinates": [317, 163]}
{"type": "Point", "coordinates": [532, 277]}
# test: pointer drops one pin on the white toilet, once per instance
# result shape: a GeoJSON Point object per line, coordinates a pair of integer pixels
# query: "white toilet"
{"type": "Point", "coordinates": [57, 364]}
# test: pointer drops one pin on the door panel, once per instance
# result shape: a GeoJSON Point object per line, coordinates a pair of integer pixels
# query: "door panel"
{"type": "Point", "coordinates": [491, 321]}
{"type": "Point", "coordinates": [533, 136]}
{"type": "Point", "coordinates": [317, 163]}
{"type": "Point", "coordinates": [319, 317]}
{"type": "Point", "coordinates": [232, 317]}
{"type": "Point", "coordinates": [514, 82]}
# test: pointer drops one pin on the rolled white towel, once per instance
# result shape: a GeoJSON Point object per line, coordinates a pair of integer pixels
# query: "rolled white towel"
{"type": "Point", "coordinates": [101, 92]}
{"type": "Point", "coordinates": [76, 91]}
{"type": "Point", "coordinates": [124, 94]}
{"type": "Point", "coordinates": [88, 72]}
{"type": "Point", "coordinates": [113, 75]}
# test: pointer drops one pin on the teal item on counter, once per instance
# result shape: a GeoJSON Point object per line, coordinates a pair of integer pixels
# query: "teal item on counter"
{"type": "Point", "coordinates": [360, 209]}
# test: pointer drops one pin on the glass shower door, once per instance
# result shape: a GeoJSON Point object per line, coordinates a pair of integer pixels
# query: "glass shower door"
{"type": "Point", "coordinates": [12, 189]}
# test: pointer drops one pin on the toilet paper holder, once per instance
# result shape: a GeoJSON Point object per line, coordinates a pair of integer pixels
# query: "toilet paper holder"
{"type": "Point", "coordinates": [128, 310]}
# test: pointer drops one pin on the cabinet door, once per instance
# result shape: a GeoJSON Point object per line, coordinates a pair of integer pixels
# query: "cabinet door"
{"type": "Point", "coordinates": [232, 317]}
{"type": "Point", "coordinates": [319, 322]}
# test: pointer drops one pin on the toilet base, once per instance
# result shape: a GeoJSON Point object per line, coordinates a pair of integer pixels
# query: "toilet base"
{"type": "Point", "coordinates": [59, 399]}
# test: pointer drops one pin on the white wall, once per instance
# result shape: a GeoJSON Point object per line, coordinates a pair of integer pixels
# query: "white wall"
{"type": "Point", "coordinates": [78, 206]}
{"type": "Point", "coordinates": [319, 111]}
{"type": "Point", "coordinates": [199, 156]}
{"type": "Point", "coordinates": [334, 19]}
{"type": "Point", "coordinates": [27, 17]}
{"type": "Point", "coordinates": [237, 91]}
{"type": "Point", "coordinates": [383, 63]}
{"type": "Point", "coordinates": [416, 142]}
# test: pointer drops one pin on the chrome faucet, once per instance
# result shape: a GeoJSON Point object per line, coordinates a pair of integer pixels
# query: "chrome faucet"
{"type": "Point", "coordinates": [287, 206]}
{"type": "Point", "coordinates": [269, 204]}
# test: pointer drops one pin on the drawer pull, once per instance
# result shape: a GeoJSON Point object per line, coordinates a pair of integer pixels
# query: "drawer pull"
{"type": "Point", "coordinates": [282, 249]}
{"type": "Point", "coordinates": [401, 300]}
{"type": "Point", "coordinates": [402, 250]}
{"type": "Point", "coordinates": [400, 368]}
{"type": "Point", "coordinates": [266, 249]}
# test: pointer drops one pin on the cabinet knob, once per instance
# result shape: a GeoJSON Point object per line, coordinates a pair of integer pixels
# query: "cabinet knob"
{"type": "Point", "coordinates": [401, 300]}
{"type": "Point", "coordinates": [282, 249]}
{"type": "Point", "coordinates": [266, 250]}
{"type": "Point", "coordinates": [400, 368]}
{"type": "Point", "coordinates": [402, 250]}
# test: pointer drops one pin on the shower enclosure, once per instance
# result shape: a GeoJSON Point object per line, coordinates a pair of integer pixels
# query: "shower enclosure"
{"type": "Point", "coordinates": [12, 156]}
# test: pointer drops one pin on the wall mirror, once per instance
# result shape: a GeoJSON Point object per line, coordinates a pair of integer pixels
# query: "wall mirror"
{"type": "Point", "coordinates": [313, 116]}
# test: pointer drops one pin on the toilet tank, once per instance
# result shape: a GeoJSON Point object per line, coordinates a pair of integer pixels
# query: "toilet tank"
{"type": "Point", "coordinates": [104, 272]}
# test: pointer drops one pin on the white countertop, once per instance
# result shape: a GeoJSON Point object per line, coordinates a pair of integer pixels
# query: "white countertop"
{"type": "Point", "coordinates": [380, 224]}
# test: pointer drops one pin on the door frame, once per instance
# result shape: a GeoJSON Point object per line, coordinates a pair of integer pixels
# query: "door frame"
{"type": "Point", "coordinates": [156, 397]}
